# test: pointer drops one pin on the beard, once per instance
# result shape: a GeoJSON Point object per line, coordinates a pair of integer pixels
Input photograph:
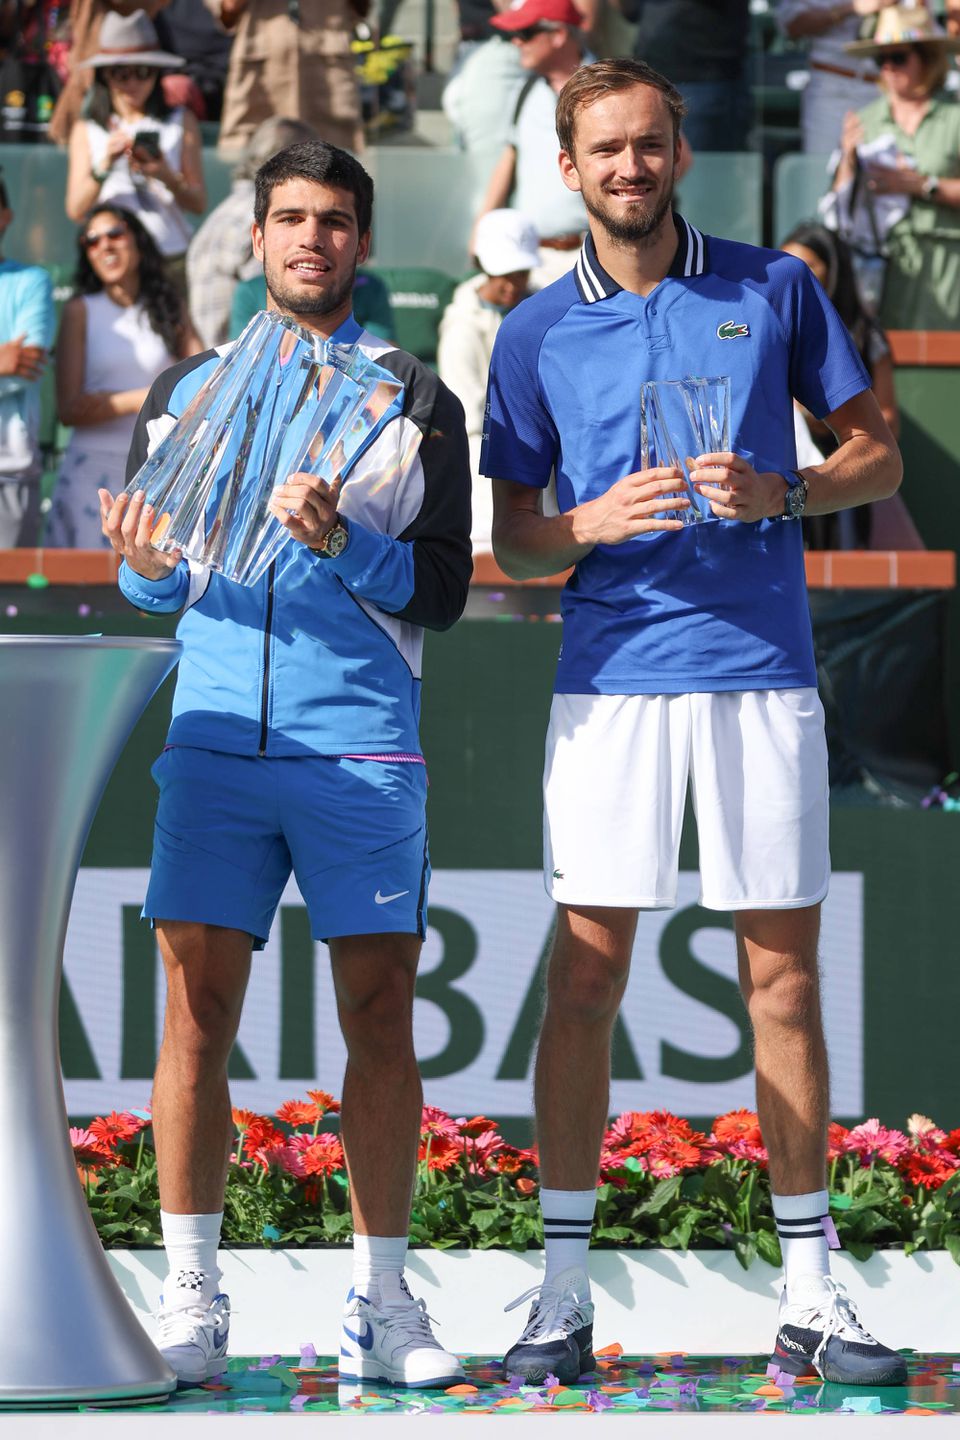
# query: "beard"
{"type": "Point", "coordinates": [640, 223]}
{"type": "Point", "coordinates": [310, 300]}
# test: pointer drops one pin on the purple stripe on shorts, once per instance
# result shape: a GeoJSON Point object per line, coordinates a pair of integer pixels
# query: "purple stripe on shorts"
{"type": "Point", "coordinates": [400, 758]}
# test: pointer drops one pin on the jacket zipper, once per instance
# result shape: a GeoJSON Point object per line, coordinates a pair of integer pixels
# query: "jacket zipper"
{"type": "Point", "coordinates": [265, 693]}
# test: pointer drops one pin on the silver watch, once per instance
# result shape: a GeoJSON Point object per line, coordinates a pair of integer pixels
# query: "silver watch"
{"type": "Point", "coordinates": [930, 187]}
{"type": "Point", "coordinates": [795, 500]}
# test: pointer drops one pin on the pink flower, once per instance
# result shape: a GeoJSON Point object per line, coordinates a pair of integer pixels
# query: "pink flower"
{"type": "Point", "coordinates": [438, 1122]}
{"type": "Point", "coordinates": [872, 1140]}
{"type": "Point", "coordinates": [924, 1132]}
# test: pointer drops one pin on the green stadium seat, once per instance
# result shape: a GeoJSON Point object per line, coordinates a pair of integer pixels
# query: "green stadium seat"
{"type": "Point", "coordinates": [36, 181]}
{"type": "Point", "coordinates": [418, 296]}
{"type": "Point", "coordinates": [798, 183]}
{"type": "Point", "coordinates": [722, 194]}
{"type": "Point", "coordinates": [424, 207]}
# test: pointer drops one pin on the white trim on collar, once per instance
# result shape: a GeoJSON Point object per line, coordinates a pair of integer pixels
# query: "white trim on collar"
{"type": "Point", "coordinates": [593, 282]}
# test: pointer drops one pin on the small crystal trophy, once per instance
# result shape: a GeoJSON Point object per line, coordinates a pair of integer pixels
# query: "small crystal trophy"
{"type": "Point", "coordinates": [679, 420]}
{"type": "Point", "coordinates": [282, 400]}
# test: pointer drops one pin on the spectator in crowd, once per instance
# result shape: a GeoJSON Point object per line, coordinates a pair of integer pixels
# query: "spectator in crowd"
{"type": "Point", "coordinates": [188, 29]}
{"type": "Point", "coordinates": [291, 59]}
{"type": "Point", "coordinates": [478, 99]}
{"type": "Point", "coordinates": [132, 149]}
{"type": "Point", "coordinates": [549, 38]}
{"type": "Point", "coordinates": [921, 286]}
{"type": "Point", "coordinates": [221, 252]}
{"type": "Point", "coordinates": [126, 324]}
{"type": "Point", "coordinates": [881, 524]}
{"type": "Point", "coordinates": [838, 82]}
{"type": "Point", "coordinates": [702, 46]}
{"type": "Point", "coordinates": [84, 18]}
{"type": "Point", "coordinates": [505, 245]}
{"type": "Point", "coordinates": [371, 304]}
{"type": "Point", "coordinates": [26, 334]}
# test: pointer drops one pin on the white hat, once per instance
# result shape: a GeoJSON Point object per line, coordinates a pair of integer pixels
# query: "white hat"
{"type": "Point", "coordinates": [504, 242]}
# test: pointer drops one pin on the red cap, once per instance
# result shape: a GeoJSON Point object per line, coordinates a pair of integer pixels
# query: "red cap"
{"type": "Point", "coordinates": [532, 12]}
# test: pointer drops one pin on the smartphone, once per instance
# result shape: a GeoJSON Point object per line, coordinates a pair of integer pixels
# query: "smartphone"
{"type": "Point", "coordinates": [149, 142]}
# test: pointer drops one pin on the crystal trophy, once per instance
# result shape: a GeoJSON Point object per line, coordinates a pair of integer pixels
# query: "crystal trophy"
{"type": "Point", "coordinates": [282, 400]}
{"type": "Point", "coordinates": [679, 420]}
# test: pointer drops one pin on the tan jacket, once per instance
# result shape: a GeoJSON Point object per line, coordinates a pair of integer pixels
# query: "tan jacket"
{"type": "Point", "coordinates": [302, 70]}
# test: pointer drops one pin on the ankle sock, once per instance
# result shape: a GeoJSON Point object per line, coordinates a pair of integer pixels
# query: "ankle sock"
{"type": "Point", "coordinates": [567, 1222]}
{"type": "Point", "coordinates": [191, 1243]}
{"type": "Point", "coordinates": [806, 1234]}
{"type": "Point", "coordinates": [376, 1255]}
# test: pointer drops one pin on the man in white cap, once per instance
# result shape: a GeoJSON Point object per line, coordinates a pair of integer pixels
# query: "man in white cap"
{"type": "Point", "coordinates": [505, 248]}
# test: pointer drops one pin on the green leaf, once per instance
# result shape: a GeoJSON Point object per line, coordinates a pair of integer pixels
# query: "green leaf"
{"type": "Point", "coordinates": [745, 1250]}
{"type": "Point", "coordinates": [858, 1249]}
{"type": "Point", "coordinates": [952, 1243]}
{"type": "Point", "coordinates": [663, 1192]}
{"type": "Point", "coordinates": [768, 1248]}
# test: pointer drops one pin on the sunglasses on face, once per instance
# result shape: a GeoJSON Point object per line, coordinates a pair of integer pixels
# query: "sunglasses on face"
{"type": "Point", "coordinates": [90, 241]}
{"type": "Point", "coordinates": [897, 58]}
{"type": "Point", "coordinates": [528, 33]}
{"type": "Point", "coordinates": [129, 72]}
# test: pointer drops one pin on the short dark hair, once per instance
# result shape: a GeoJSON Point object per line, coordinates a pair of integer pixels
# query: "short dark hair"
{"type": "Point", "coordinates": [605, 77]}
{"type": "Point", "coordinates": [323, 164]}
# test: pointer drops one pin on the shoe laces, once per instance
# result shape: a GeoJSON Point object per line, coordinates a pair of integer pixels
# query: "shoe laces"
{"type": "Point", "coordinates": [834, 1314]}
{"type": "Point", "coordinates": [410, 1322]}
{"type": "Point", "coordinates": [552, 1310]}
{"type": "Point", "coordinates": [170, 1319]}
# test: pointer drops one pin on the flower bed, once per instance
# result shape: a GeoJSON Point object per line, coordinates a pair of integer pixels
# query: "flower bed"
{"type": "Point", "coordinates": [662, 1183]}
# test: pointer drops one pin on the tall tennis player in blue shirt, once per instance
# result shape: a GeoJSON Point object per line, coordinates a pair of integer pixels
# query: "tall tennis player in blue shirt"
{"type": "Point", "coordinates": [687, 659]}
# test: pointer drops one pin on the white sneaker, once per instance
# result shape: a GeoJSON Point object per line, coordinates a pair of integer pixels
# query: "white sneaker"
{"type": "Point", "coordinates": [386, 1336]}
{"type": "Point", "coordinates": [193, 1338]}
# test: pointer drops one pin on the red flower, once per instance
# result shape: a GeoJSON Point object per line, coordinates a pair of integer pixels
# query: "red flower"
{"type": "Point", "coordinates": [636, 1132]}
{"type": "Point", "coordinates": [479, 1125]}
{"type": "Point", "coordinates": [441, 1152]}
{"type": "Point", "coordinates": [116, 1129]}
{"type": "Point", "coordinates": [88, 1149]}
{"type": "Point", "coordinates": [836, 1135]}
{"type": "Point", "coordinates": [526, 1186]}
{"type": "Point", "coordinates": [321, 1154]}
{"type": "Point", "coordinates": [298, 1112]}
{"type": "Point", "coordinates": [737, 1125]}
{"type": "Point", "coordinates": [244, 1118]}
{"type": "Point", "coordinates": [930, 1171]}
{"type": "Point", "coordinates": [324, 1102]}
{"type": "Point", "coordinates": [952, 1142]}
{"type": "Point", "coordinates": [508, 1161]}
{"type": "Point", "coordinates": [262, 1134]}
{"type": "Point", "coordinates": [672, 1157]}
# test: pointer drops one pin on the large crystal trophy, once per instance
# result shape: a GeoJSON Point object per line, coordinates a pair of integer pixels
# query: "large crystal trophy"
{"type": "Point", "coordinates": [282, 400]}
{"type": "Point", "coordinates": [679, 420]}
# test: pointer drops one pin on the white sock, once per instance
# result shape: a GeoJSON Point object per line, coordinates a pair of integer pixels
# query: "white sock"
{"type": "Point", "coordinates": [191, 1243]}
{"type": "Point", "coordinates": [806, 1234]}
{"type": "Point", "coordinates": [376, 1255]}
{"type": "Point", "coordinates": [567, 1222]}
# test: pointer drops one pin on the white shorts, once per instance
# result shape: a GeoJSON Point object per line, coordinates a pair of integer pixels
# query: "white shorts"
{"type": "Point", "coordinates": [615, 784]}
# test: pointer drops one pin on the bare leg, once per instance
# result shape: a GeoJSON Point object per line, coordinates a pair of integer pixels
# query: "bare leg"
{"type": "Point", "coordinates": [374, 976]}
{"type": "Point", "coordinates": [207, 969]}
{"type": "Point", "coordinates": [586, 979]}
{"type": "Point", "coordinates": [777, 953]}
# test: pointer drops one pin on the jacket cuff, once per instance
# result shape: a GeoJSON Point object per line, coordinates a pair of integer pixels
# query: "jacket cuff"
{"type": "Point", "coordinates": [149, 593]}
{"type": "Point", "coordinates": [362, 554]}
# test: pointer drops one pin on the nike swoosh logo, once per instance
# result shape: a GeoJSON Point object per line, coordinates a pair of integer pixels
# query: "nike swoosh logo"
{"type": "Point", "coordinates": [385, 899]}
{"type": "Point", "coordinates": [220, 1338]}
{"type": "Point", "coordinates": [365, 1341]}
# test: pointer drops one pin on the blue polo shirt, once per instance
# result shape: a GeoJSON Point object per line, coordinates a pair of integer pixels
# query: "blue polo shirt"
{"type": "Point", "coordinates": [720, 605]}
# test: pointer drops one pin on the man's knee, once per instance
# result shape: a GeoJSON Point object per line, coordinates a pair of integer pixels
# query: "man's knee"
{"type": "Point", "coordinates": [586, 988]}
{"type": "Point", "coordinates": [375, 988]}
{"type": "Point", "coordinates": [784, 991]}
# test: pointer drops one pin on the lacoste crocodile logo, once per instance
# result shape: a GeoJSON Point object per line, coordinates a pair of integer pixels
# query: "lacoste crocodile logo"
{"type": "Point", "coordinates": [732, 330]}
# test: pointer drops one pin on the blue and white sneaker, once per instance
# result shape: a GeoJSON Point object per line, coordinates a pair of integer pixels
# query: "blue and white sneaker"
{"type": "Point", "coordinates": [193, 1338]}
{"type": "Point", "coordinates": [558, 1338]}
{"type": "Point", "coordinates": [820, 1332]}
{"type": "Point", "coordinates": [386, 1337]}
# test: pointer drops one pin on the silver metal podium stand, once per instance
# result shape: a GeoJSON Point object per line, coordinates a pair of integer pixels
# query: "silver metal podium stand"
{"type": "Point", "coordinates": [67, 706]}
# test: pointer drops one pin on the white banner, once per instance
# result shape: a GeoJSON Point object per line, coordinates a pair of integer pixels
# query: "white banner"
{"type": "Point", "coordinates": [682, 1041]}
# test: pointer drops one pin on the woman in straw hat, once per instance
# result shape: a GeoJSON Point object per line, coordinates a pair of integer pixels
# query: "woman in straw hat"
{"type": "Point", "coordinates": [921, 288]}
{"type": "Point", "coordinates": [132, 149]}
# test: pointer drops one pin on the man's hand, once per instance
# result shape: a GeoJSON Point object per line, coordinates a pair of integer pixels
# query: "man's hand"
{"type": "Point", "coordinates": [306, 506]}
{"type": "Point", "coordinates": [27, 362]}
{"type": "Point", "coordinates": [735, 490]}
{"type": "Point", "coordinates": [631, 507]}
{"type": "Point", "coordinates": [128, 524]}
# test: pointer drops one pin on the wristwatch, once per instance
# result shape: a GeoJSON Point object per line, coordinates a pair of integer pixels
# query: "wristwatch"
{"type": "Point", "coordinates": [795, 500]}
{"type": "Point", "coordinates": [335, 541]}
{"type": "Point", "coordinates": [930, 187]}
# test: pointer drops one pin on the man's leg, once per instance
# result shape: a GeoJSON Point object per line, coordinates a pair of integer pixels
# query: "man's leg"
{"type": "Point", "coordinates": [386, 1334]}
{"type": "Point", "coordinates": [819, 1327]}
{"type": "Point", "coordinates": [207, 968]}
{"type": "Point", "coordinates": [586, 978]}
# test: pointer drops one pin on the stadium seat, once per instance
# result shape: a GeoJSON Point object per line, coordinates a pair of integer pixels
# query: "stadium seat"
{"type": "Point", "coordinates": [419, 297]}
{"type": "Point", "coordinates": [722, 194]}
{"type": "Point", "coordinates": [798, 183]}
{"type": "Point", "coordinates": [424, 207]}
{"type": "Point", "coordinates": [36, 181]}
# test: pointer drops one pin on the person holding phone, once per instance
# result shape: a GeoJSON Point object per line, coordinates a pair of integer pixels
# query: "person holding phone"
{"type": "Point", "coordinates": [132, 149]}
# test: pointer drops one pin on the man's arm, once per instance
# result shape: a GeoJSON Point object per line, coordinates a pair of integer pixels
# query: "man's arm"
{"type": "Point", "coordinates": [528, 544]}
{"type": "Point", "coordinates": [865, 466]}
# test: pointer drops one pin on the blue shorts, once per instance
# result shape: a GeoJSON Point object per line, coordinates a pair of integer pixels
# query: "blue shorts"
{"type": "Point", "coordinates": [231, 828]}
